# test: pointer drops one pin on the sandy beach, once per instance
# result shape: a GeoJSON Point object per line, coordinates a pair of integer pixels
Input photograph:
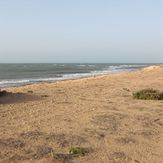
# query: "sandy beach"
{"type": "Point", "coordinates": [40, 122]}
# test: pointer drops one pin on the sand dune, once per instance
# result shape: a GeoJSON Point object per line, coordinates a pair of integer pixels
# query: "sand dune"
{"type": "Point", "coordinates": [40, 122]}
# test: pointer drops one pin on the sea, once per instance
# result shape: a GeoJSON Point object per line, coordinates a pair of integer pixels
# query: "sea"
{"type": "Point", "coordinates": [12, 75]}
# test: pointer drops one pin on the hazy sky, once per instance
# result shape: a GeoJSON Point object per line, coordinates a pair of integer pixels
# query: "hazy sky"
{"type": "Point", "coordinates": [81, 30]}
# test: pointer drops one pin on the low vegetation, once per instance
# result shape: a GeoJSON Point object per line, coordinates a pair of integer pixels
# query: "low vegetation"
{"type": "Point", "coordinates": [148, 94]}
{"type": "Point", "coordinates": [78, 151]}
{"type": "Point", "coordinates": [29, 91]}
{"type": "Point", "coordinates": [2, 93]}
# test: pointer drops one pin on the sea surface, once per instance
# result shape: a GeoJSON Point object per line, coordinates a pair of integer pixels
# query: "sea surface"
{"type": "Point", "coordinates": [22, 74]}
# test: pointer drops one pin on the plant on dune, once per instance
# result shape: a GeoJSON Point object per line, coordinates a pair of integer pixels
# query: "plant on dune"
{"type": "Point", "coordinates": [2, 93]}
{"type": "Point", "coordinates": [147, 94]}
{"type": "Point", "coordinates": [78, 151]}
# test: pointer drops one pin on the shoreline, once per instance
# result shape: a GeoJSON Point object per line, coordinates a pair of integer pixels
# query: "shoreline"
{"type": "Point", "coordinates": [79, 78]}
{"type": "Point", "coordinates": [28, 76]}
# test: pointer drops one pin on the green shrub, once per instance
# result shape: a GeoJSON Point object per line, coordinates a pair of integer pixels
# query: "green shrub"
{"type": "Point", "coordinates": [3, 93]}
{"type": "Point", "coordinates": [147, 94]}
{"type": "Point", "coordinates": [78, 151]}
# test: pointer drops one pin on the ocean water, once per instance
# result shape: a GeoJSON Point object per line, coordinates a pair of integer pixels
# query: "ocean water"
{"type": "Point", "coordinates": [22, 74]}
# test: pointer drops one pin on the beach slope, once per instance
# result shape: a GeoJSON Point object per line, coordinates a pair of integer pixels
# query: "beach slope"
{"type": "Point", "coordinates": [40, 122]}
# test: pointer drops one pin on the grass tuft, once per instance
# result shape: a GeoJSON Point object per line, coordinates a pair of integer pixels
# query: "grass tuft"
{"type": "Point", "coordinates": [78, 151]}
{"type": "Point", "coordinates": [147, 94]}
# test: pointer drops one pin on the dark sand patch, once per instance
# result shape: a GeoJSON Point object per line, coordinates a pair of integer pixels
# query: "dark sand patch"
{"type": "Point", "coordinates": [64, 140]}
{"type": "Point", "coordinates": [12, 98]}
{"type": "Point", "coordinates": [109, 122]}
{"type": "Point", "coordinates": [35, 145]}
{"type": "Point", "coordinates": [119, 157]}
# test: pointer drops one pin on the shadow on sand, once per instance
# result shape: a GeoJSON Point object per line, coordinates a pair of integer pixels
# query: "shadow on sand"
{"type": "Point", "coordinates": [11, 98]}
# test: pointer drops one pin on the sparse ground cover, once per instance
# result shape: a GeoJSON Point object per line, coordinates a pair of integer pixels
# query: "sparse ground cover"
{"type": "Point", "coordinates": [87, 120]}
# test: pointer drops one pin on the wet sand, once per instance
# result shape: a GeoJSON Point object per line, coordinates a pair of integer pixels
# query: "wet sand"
{"type": "Point", "coordinates": [40, 122]}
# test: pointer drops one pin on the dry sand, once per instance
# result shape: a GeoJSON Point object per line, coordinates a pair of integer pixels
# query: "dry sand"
{"type": "Point", "coordinates": [40, 122]}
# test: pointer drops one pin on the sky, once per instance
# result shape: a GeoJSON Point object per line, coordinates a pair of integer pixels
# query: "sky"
{"type": "Point", "coordinates": [94, 31]}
